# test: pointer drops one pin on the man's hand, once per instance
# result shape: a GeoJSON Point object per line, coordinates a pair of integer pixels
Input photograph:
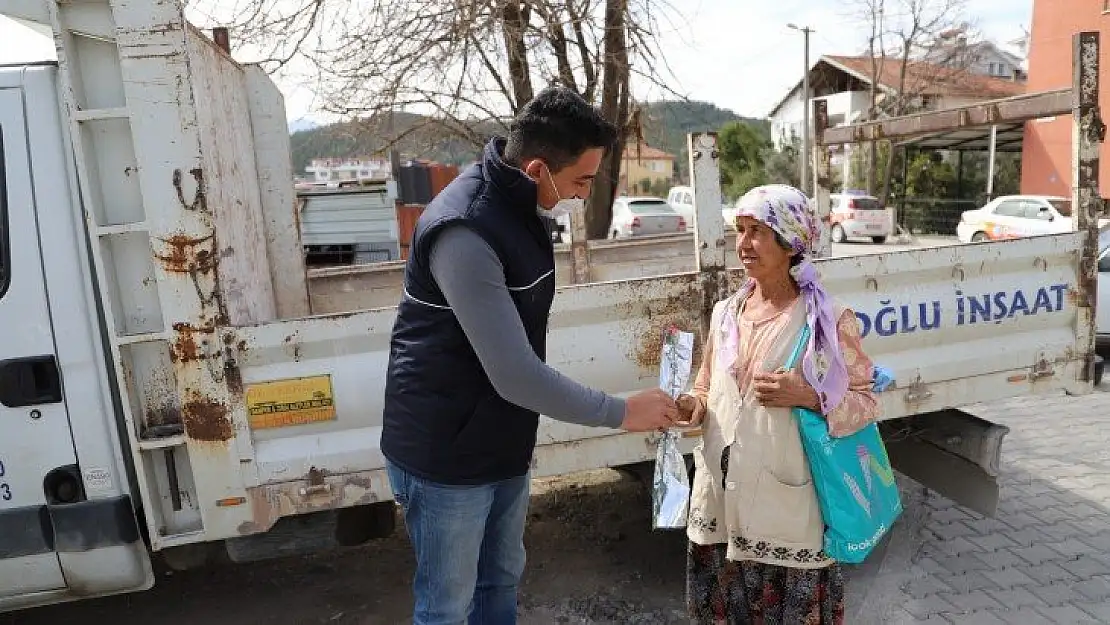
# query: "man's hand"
{"type": "Point", "coordinates": [649, 410]}
{"type": "Point", "coordinates": [691, 410]}
{"type": "Point", "coordinates": [785, 390]}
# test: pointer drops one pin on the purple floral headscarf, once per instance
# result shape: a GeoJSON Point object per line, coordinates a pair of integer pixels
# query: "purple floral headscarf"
{"type": "Point", "coordinates": [787, 211]}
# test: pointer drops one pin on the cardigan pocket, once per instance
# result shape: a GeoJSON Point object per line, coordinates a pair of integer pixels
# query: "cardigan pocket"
{"type": "Point", "coordinates": [782, 512]}
{"type": "Point", "coordinates": [783, 456]}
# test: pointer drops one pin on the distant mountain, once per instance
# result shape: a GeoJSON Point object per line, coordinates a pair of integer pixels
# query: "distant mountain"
{"type": "Point", "coordinates": [303, 123]}
{"type": "Point", "coordinates": [667, 122]}
{"type": "Point", "coordinates": [420, 137]}
{"type": "Point", "coordinates": [665, 126]}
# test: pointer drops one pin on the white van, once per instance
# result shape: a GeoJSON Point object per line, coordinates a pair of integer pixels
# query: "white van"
{"type": "Point", "coordinates": [681, 200]}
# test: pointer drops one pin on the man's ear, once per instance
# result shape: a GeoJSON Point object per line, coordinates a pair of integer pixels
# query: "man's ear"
{"type": "Point", "coordinates": [534, 169]}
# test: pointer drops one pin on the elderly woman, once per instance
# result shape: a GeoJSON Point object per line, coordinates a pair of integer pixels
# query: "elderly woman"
{"type": "Point", "coordinates": [755, 530]}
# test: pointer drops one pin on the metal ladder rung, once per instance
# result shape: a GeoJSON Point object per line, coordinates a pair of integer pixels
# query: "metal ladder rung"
{"type": "Point", "coordinates": [155, 444]}
{"type": "Point", "coordinates": [93, 115]}
{"type": "Point", "coordinates": [147, 337]}
{"type": "Point", "coordinates": [107, 231]}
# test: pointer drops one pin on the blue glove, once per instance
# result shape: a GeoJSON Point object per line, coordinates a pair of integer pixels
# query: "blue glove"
{"type": "Point", "coordinates": [881, 378]}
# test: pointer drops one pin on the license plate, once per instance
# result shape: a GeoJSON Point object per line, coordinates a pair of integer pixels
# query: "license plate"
{"type": "Point", "coordinates": [873, 226]}
{"type": "Point", "coordinates": [5, 489]}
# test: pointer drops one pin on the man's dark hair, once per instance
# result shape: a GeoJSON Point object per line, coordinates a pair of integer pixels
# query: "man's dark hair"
{"type": "Point", "coordinates": [557, 125]}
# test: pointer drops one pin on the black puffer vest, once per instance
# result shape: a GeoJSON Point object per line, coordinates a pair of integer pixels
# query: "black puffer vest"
{"type": "Point", "coordinates": [443, 420]}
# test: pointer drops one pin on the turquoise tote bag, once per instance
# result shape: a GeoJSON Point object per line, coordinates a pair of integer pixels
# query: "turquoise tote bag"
{"type": "Point", "coordinates": [855, 484]}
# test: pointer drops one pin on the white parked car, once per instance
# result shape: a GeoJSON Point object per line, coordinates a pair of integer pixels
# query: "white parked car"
{"type": "Point", "coordinates": [728, 213]}
{"type": "Point", "coordinates": [640, 216]}
{"type": "Point", "coordinates": [1102, 303]}
{"type": "Point", "coordinates": [855, 216]}
{"type": "Point", "coordinates": [1015, 216]}
{"type": "Point", "coordinates": [1102, 306]}
{"type": "Point", "coordinates": [681, 200]}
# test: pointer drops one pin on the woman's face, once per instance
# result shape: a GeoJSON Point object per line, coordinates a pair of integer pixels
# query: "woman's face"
{"type": "Point", "coordinates": [760, 253]}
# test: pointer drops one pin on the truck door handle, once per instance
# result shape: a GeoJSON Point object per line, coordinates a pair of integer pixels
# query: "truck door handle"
{"type": "Point", "coordinates": [30, 381]}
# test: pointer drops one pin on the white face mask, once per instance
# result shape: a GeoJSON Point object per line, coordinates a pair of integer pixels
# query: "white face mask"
{"type": "Point", "coordinates": [563, 206]}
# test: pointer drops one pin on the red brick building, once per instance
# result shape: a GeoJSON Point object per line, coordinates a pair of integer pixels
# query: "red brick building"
{"type": "Point", "coordinates": [1046, 159]}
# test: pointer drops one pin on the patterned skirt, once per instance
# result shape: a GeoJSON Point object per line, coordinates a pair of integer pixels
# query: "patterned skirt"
{"type": "Point", "coordinates": [724, 592]}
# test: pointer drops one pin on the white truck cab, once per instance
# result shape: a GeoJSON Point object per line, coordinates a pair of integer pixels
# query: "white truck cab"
{"type": "Point", "coordinates": [68, 515]}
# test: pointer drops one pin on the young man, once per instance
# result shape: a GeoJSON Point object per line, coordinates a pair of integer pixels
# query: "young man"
{"type": "Point", "coordinates": [467, 378]}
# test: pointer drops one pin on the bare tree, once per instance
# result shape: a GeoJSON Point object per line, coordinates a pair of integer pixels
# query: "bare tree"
{"type": "Point", "coordinates": [467, 65]}
{"type": "Point", "coordinates": [916, 48]}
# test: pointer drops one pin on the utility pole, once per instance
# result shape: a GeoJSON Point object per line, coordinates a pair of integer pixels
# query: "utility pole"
{"type": "Point", "coordinates": [805, 155]}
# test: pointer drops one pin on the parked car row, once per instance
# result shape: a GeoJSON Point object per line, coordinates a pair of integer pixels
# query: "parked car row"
{"type": "Point", "coordinates": [856, 215]}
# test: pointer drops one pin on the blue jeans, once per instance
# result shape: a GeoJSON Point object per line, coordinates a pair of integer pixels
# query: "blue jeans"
{"type": "Point", "coordinates": [469, 544]}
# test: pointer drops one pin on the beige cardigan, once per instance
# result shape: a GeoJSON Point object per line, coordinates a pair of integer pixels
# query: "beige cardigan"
{"type": "Point", "coordinates": [766, 508]}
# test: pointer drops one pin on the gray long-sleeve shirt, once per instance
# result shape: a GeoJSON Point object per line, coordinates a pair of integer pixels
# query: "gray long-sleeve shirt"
{"type": "Point", "coordinates": [472, 279]}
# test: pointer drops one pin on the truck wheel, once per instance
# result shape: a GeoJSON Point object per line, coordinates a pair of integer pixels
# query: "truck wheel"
{"type": "Point", "coordinates": [837, 234]}
{"type": "Point", "coordinates": [978, 237]}
{"type": "Point", "coordinates": [360, 524]}
{"type": "Point", "coordinates": [191, 557]}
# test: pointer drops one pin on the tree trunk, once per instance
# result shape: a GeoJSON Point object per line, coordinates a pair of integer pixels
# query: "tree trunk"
{"type": "Point", "coordinates": [514, 19]}
{"type": "Point", "coordinates": [614, 104]}
{"type": "Point", "coordinates": [557, 35]}
{"type": "Point", "coordinates": [583, 51]}
{"type": "Point", "coordinates": [871, 146]}
{"type": "Point", "coordinates": [888, 173]}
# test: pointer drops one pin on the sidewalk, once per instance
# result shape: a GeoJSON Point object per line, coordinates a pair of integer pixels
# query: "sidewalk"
{"type": "Point", "coordinates": [1046, 557]}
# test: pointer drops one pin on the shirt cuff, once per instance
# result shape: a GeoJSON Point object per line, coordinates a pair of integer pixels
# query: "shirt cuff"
{"type": "Point", "coordinates": [614, 413]}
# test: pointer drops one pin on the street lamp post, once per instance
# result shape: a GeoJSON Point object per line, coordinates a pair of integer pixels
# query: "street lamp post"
{"type": "Point", "coordinates": [806, 155]}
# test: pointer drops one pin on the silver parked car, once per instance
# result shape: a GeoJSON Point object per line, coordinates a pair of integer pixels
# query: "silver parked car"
{"type": "Point", "coordinates": [641, 216]}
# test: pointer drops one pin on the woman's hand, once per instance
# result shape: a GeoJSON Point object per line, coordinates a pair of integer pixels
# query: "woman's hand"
{"type": "Point", "coordinates": [691, 410]}
{"type": "Point", "coordinates": [785, 390]}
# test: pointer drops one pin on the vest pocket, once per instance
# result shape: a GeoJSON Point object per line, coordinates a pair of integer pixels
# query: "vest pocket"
{"type": "Point", "coordinates": [784, 512]}
{"type": "Point", "coordinates": [784, 458]}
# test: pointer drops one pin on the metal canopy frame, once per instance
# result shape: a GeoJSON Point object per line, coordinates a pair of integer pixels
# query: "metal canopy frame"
{"type": "Point", "coordinates": [1009, 137]}
{"type": "Point", "coordinates": [980, 116]}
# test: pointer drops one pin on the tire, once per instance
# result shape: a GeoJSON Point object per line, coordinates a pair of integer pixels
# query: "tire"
{"type": "Point", "coordinates": [837, 234]}
{"type": "Point", "coordinates": [1099, 365]}
{"type": "Point", "coordinates": [978, 237]}
{"type": "Point", "coordinates": [878, 240]}
{"type": "Point", "coordinates": [360, 524]}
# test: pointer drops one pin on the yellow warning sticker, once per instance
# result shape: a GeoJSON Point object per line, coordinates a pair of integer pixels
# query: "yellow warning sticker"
{"type": "Point", "coordinates": [296, 401]}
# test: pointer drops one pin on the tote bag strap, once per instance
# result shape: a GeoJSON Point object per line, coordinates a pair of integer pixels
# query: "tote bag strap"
{"type": "Point", "coordinates": [799, 347]}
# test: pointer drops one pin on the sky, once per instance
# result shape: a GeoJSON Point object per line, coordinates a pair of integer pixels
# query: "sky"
{"type": "Point", "coordinates": [737, 54]}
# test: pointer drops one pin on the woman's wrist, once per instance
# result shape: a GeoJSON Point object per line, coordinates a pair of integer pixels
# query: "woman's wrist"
{"type": "Point", "coordinates": [812, 400]}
